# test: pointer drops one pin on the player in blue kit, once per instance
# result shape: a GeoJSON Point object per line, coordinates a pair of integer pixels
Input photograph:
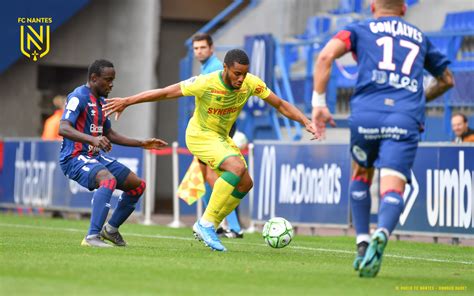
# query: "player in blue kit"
{"type": "Point", "coordinates": [86, 133]}
{"type": "Point", "coordinates": [387, 114]}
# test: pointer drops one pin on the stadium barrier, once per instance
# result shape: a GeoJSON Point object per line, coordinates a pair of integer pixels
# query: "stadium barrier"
{"type": "Point", "coordinates": [31, 177]}
{"type": "Point", "coordinates": [307, 183]}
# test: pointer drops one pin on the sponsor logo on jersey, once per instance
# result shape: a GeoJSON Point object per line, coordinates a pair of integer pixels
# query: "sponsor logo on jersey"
{"type": "Point", "coordinates": [96, 129]}
{"type": "Point", "coordinates": [225, 111]}
{"type": "Point", "coordinates": [219, 92]}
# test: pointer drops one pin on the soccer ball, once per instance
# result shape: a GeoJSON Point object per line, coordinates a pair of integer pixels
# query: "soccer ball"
{"type": "Point", "coordinates": [277, 232]}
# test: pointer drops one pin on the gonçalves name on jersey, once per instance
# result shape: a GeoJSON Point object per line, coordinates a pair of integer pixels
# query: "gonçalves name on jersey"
{"type": "Point", "coordinates": [396, 28]}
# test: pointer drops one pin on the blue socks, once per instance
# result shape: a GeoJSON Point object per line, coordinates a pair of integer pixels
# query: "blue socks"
{"type": "Point", "coordinates": [391, 207]}
{"type": "Point", "coordinates": [359, 192]}
{"type": "Point", "coordinates": [126, 205]}
{"type": "Point", "coordinates": [101, 205]}
{"type": "Point", "coordinates": [233, 221]}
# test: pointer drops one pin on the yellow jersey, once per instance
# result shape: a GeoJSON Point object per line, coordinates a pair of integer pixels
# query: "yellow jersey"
{"type": "Point", "coordinates": [217, 104]}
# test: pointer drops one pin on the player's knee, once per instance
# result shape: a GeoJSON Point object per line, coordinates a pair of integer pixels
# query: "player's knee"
{"type": "Point", "coordinates": [110, 183]}
{"type": "Point", "coordinates": [392, 180]}
{"type": "Point", "coordinates": [385, 172]}
{"type": "Point", "coordinates": [249, 186]}
{"type": "Point", "coordinates": [105, 179]}
{"type": "Point", "coordinates": [246, 186]}
{"type": "Point", "coordinates": [234, 165]}
{"type": "Point", "coordinates": [361, 173]}
{"type": "Point", "coordinates": [137, 191]}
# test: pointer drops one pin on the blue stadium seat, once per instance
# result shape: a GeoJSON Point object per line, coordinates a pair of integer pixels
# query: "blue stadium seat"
{"type": "Point", "coordinates": [458, 21]}
{"type": "Point", "coordinates": [461, 95]}
{"type": "Point", "coordinates": [343, 21]}
{"type": "Point", "coordinates": [448, 45]}
{"type": "Point", "coordinates": [315, 26]}
{"type": "Point", "coordinates": [348, 6]}
{"type": "Point", "coordinates": [411, 2]}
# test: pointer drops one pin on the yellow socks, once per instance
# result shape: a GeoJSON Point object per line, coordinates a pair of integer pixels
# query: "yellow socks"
{"type": "Point", "coordinates": [223, 188]}
{"type": "Point", "coordinates": [231, 204]}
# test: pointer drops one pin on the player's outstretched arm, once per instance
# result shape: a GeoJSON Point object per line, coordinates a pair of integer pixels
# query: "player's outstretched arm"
{"type": "Point", "coordinates": [334, 49]}
{"type": "Point", "coordinates": [119, 139]}
{"type": "Point", "coordinates": [66, 130]}
{"type": "Point", "coordinates": [291, 112]}
{"type": "Point", "coordinates": [117, 105]}
{"type": "Point", "coordinates": [440, 85]}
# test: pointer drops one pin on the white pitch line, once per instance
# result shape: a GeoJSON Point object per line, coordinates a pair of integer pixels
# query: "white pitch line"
{"type": "Point", "coordinates": [240, 243]}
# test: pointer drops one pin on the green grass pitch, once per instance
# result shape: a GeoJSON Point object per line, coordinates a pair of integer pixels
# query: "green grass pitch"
{"type": "Point", "coordinates": [42, 256]}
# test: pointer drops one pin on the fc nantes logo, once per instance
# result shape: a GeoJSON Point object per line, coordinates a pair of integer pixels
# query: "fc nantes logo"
{"type": "Point", "coordinates": [35, 37]}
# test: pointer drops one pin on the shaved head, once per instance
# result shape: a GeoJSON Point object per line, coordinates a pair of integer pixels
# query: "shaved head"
{"type": "Point", "coordinates": [388, 8]}
{"type": "Point", "coordinates": [390, 4]}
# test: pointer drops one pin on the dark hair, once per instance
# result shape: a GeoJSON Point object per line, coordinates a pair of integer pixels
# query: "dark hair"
{"type": "Point", "coordinates": [464, 117]}
{"type": "Point", "coordinates": [203, 36]}
{"type": "Point", "coordinates": [236, 56]}
{"type": "Point", "coordinates": [97, 66]}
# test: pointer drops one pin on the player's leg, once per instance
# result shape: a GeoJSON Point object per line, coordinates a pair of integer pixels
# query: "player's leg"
{"type": "Point", "coordinates": [360, 200]}
{"type": "Point", "coordinates": [91, 174]}
{"type": "Point", "coordinates": [239, 191]}
{"type": "Point", "coordinates": [364, 151]}
{"type": "Point", "coordinates": [232, 169]}
{"type": "Point", "coordinates": [392, 185]}
{"type": "Point", "coordinates": [205, 170]}
{"type": "Point", "coordinates": [210, 176]}
{"type": "Point", "coordinates": [132, 187]}
{"type": "Point", "coordinates": [105, 184]}
{"type": "Point", "coordinates": [233, 224]}
{"type": "Point", "coordinates": [396, 157]}
{"type": "Point", "coordinates": [229, 211]}
{"type": "Point", "coordinates": [214, 150]}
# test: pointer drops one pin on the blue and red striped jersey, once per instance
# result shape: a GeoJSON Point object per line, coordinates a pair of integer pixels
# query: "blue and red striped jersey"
{"type": "Point", "coordinates": [391, 55]}
{"type": "Point", "coordinates": [84, 112]}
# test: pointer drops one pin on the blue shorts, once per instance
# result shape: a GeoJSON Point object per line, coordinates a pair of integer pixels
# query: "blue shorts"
{"type": "Point", "coordinates": [384, 140]}
{"type": "Point", "coordinates": [83, 169]}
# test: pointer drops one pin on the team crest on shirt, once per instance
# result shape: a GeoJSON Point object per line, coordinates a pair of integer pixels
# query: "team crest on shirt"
{"type": "Point", "coordinates": [93, 112]}
{"type": "Point", "coordinates": [242, 96]}
{"type": "Point", "coordinates": [259, 89]}
{"type": "Point", "coordinates": [359, 153]}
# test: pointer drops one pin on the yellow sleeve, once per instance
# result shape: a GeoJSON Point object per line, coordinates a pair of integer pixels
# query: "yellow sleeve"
{"type": "Point", "coordinates": [259, 88]}
{"type": "Point", "coordinates": [194, 86]}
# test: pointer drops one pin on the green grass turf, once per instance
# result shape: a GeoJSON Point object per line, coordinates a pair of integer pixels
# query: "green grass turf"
{"type": "Point", "coordinates": [42, 256]}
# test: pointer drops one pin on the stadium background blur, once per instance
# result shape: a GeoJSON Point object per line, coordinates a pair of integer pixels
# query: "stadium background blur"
{"type": "Point", "coordinates": [148, 43]}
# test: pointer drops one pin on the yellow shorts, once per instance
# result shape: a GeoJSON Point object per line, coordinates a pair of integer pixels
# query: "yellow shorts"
{"type": "Point", "coordinates": [212, 148]}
